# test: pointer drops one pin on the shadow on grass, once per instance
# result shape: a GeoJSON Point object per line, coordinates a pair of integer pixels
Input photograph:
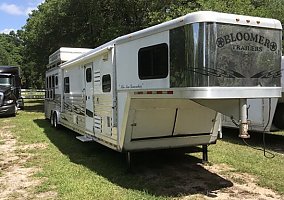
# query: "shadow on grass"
{"type": "Point", "coordinates": [34, 105]}
{"type": "Point", "coordinates": [273, 142]}
{"type": "Point", "coordinates": [160, 173]}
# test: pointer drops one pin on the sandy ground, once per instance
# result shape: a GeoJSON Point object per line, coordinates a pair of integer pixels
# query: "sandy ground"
{"type": "Point", "coordinates": [196, 181]}
{"type": "Point", "coordinates": [244, 186]}
{"type": "Point", "coordinates": [183, 178]}
{"type": "Point", "coordinates": [16, 179]}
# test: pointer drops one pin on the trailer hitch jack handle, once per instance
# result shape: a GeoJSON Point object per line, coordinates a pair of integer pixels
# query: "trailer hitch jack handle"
{"type": "Point", "coordinates": [243, 120]}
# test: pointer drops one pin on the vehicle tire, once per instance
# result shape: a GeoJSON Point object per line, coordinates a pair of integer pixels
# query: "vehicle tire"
{"type": "Point", "coordinates": [278, 119]}
{"type": "Point", "coordinates": [55, 121]}
{"type": "Point", "coordinates": [51, 119]}
{"type": "Point", "coordinates": [22, 105]}
{"type": "Point", "coordinates": [16, 110]}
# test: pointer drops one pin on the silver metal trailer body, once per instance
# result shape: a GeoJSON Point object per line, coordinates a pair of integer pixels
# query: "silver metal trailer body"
{"type": "Point", "coordinates": [264, 114]}
{"type": "Point", "coordinates": [164, 87]}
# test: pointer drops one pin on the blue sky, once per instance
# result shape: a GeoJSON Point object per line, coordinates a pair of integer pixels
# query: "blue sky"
{"type": "Point", "coordinates": [14, 13]}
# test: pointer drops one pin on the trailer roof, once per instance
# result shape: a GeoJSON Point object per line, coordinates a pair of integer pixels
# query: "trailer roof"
{"type": "Point", "coordinates": [205, 16]}
{"type": "Point", "coordinates": [195, 17]}
{"type": "Point", "coordinates": [9, 69]}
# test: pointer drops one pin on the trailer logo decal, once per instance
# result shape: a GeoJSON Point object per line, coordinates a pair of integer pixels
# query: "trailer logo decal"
{"type": "Point", "coordinates": [249, 37]}
{"type": "Point", "coordinates": [233, 74]}
{"type": "Point", "coordinates": [218, 73]}
{"type": "Point", "coordinates": [268, 74]}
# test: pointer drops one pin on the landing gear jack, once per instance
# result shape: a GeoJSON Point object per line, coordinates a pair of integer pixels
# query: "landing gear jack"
{"type": "Point", "coordinates": [204, 154]}
{"type": "Point", "coordinates": [128, 161]}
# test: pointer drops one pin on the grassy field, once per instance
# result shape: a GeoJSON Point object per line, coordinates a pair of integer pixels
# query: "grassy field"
{"type": "Point", "coordinates": [77, 170]}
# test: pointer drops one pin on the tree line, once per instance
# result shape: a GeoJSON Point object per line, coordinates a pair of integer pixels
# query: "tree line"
{"type": "Point", "coordinates": [90, 23]}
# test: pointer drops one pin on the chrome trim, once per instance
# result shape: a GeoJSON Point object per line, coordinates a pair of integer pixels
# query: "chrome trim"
{"type": "Point", "coordinates": [227, 92]}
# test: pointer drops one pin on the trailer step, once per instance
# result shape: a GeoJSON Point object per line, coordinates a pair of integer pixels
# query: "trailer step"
{"type": "Point", "coordinates": [84, 138]}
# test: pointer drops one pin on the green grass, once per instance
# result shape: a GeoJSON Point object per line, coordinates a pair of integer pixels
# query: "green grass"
{"type": "Point", "coordinates": [77, 170]}
{"type": "Point", "coordinates": [234, 152]}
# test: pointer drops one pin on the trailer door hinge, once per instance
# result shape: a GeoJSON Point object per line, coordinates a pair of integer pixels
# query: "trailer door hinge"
{"type": "Point", "coordinates": [133, 124]}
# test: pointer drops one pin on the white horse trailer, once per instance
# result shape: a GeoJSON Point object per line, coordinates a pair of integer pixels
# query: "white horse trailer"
{"type": "Point", "coordinates": [53, 83]}
{"type": "Point", "coordinates": [263, 114]}
{"type": "Point", "coordinates": [165, 86]}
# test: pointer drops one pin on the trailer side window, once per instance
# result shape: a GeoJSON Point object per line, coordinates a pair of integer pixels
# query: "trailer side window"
{"type": "Point", "coordinates": [88, 75]}
{"type": "Point", "coordinates": [53, 81]}
{"type": "Point", "coordinates": [66, 85]}
{"type": "Point", "coordinates": [153, 62]}
{"type": "Point", "coordinates": [56, 80]}
{"type": "Point", "coordinates": [49, 82]}
{"type": "Point", "coordinates": [106, 83]}
{"type": "Point", "coordinates": [46, 83]}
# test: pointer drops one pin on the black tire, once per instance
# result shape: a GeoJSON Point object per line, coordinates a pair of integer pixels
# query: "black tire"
{"type": "Point", "coordinates": [16, 110]}
{"type": "Point", "coordinates": [278, 119]}
{"type": "Point", "coordinates": [55, 122]}
{"type": "Point", "coordinates": [51, 119]}
{"type": "Point", "coordinates": [22, 107]}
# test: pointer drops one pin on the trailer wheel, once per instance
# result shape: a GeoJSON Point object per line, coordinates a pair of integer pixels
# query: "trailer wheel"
{"type": "Point", "coordinates": [55, 120]}
{"type": "Point", "coordinates": [278, 119]}
{"type": "Point", "coordinates": [51, 119]}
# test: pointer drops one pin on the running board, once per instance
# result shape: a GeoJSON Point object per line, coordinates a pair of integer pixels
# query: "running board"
{"type": "Point", "coordinates": [84, 138]}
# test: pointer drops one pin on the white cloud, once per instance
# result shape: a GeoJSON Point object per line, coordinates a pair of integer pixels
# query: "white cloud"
{"type": "Point", "coordinates": [7, 30]}
{"type": "Point", "coordinates": [13, 9]}
{"type": "Point", "coordinates": [29, 10]}
{"type": "Point", "coordinates": [34, 3]}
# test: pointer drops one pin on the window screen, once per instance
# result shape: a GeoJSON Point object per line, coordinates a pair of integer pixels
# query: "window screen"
{"type": "Point", "coordinates": [46, 82]}
{"type": "Point", "coordinates": [53, 81]}
{"type": "Point", "coordinates": [88, 75]}
{"type": "Point", "coordinates": [66, 85]}
{"type": "Point", "coordinates": [49, 82]}
{"type": "Point", "coordinates": [106, 83]}
{"type": "Point", "coordinates": [153, 62]}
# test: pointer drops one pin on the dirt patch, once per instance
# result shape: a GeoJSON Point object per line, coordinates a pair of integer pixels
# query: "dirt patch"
{"type": "Point", "coordinates": [187, 179]}
{"type": "Point", "coordinates": [16, 179]}
{"type": "Point", "coordinates": [244, 186]}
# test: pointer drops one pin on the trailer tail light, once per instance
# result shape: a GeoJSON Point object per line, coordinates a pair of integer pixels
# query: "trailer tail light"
{"type": "Point", "coordinates": [154, 92]}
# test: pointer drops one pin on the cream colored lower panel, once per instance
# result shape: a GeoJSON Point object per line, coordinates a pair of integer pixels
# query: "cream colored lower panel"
{"type": "Point", "coordinates": [166, 143]}
{"type": "Point", "coordinates": [153, 123]}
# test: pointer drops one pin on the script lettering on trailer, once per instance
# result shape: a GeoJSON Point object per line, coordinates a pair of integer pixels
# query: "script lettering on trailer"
{"type": "Point", "coordinates": [261, 41]}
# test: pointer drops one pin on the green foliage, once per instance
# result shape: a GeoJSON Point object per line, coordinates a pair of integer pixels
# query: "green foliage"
{"type": "Point", "coordinates": [11, 49]}
{"type": "Point", "coordinates": [90, 23]}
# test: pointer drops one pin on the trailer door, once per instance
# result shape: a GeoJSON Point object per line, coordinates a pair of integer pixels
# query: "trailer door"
{"type": "Point", "coordinates": [88, 93]}
{"type": "Point", "coordinates": [104, 98]}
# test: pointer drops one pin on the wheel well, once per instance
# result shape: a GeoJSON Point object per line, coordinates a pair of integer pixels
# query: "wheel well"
{"type": "Point", "coordinates": [56, 113]}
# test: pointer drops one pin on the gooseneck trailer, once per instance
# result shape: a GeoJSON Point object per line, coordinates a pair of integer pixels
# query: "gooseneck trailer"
{"type": "Point", "coordinates": [165, 86]}
{"type": "Point", "coordinates": [265, 114]}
